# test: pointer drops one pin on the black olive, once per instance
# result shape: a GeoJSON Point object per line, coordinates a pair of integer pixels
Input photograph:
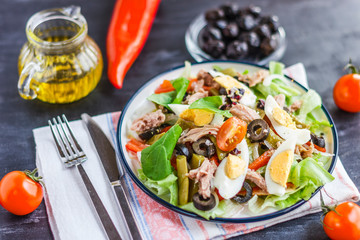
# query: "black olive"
{"type": "Point", "coordinates": [214, 15]}
{"type": "Point", "coordinates": [230, 10]}
{"type": "Point", "coordinates": [318, 141]}
{"type": "Point", "coordinates": [237, 49]}
{"type": "Point", "coordinates": [253, 10]}
{"type": "Point", "coordinates": [149, 134]}
{"type": "Point", "coordinates": [272, 21]}
{"type": "Point", "coordinates": [261, 104]}
{"type": "Point", "coordinates": [246, 22]}
{"type": "Point", "coordinates": [222, 91]}
{"type": "Point", "coordinates": [203, 204]}
{"type": "Point", "coordinates": [263, 31]}
{"type": "Point", "coordinates": [181, 149]}
{"type": "Point", "coordinates": [220, 24]}
{"type": "Point", "coordinates": [211, 33]}
{"type": "Point", "coordinates": [214, 47]}
{"type": "Point", "coordinates": [251, 38]}
{"type": "Point", "coordinates": [204, 146]}
{"type": "Point", "coordinates": [257, 130]}
{"type": "Point", "coordinates": [244, 199]}
{"type": "Point", "coordinates": [231, 31]}
{"type": "Point", "coordinates": [268, 45]}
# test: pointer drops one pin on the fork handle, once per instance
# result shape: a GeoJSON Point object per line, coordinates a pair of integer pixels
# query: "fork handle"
{"type": "Point", "coordinates": [105, 219]}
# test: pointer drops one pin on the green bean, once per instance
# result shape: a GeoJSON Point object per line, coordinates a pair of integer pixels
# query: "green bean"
{"type": "Point", "coordinates": [220, 153]}
{"type": "Point", "coordinates": [183, 180]}
{"type": "Point", "coordinates": [273, 138]}
{"type": "Point", "coordinates": [195, 162]}
{"type": "Point", "coordinates": [185, 124]}
{"type": "Point", "coordinates": [154, 138]}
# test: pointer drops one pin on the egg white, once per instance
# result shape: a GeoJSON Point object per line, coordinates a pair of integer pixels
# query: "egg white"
{"type": "Point", "coordinates": [273, 187]}
{"type": "Point", "coordinates": [301, 135]}
{"type": "Point", "coordinates": [227, 187]}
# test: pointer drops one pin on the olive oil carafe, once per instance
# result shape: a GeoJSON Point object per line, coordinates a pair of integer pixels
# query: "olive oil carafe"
{"type": "Point", "coordinates": [60, 63]}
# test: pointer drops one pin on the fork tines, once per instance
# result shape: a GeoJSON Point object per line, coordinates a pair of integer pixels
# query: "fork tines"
{"type": "Point", "coordinates": [68, 148]}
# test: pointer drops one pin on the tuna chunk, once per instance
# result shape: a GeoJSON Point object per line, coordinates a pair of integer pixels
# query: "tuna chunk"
{"type": "Point", "coordinates": [295, 106]}
{"type": "Point", "coordinates": [244, 113]}
{"type": "Point", "coordinates": [148, 121]}
{"type": "Point", "coordinates": [305, 150]}
{"type": "Point", "coordinates": [258, 77]}
{"type": "Point", "coordinates": [201, 93]}
{"type": "Point", "coordinates": [256, 178]}
{"type": "Point", "coordinates": [196, 133]}
{"type": "Point", "coordinates": [197, 86]}
{"type": "Point", "coordinates": [280, 99]}
{"type": "Point", "coordinates": [203, 176]}
{"type": "Point", "coordinates": [208, 79]}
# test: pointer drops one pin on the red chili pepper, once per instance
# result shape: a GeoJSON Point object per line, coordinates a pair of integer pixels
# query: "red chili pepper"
{"type": "Point", "coordinates": [129, 27]}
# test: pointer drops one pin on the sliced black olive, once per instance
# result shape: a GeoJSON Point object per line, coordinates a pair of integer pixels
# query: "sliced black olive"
{"type": "Point", "coordinates": [244, 199]}
{"type": "Point", "coordinates": [211, 33]}
{"type": "Point", "coordinates": [318, 141]}
{"type": "Point", "coordinates": [231, 31]}
{"type": "Point", "coordinates": [222, 91]}
{"type": "Point", "coordinates": [268, 45]}
{"type": "Point", "coordinates": [204, 146]}
{"type": "Point", "coordinates": [214, 47]}
{"type": "Point", "coordinates": [237, 49]}
{"type": "Point", "coordinates": [204, 204]}
{"type": "Point", "coordinates": [257, 130]}
{"type": "Point", "coordinates": [260, 104]}
{"type": "Point", "coordinates": [246, 22]}
{"type": "Point", "coordinates": [214, 15]}
{"type": "Point", "coordinates": [181, 149]}
{"type": "Point", "coordinates": [148, 134]}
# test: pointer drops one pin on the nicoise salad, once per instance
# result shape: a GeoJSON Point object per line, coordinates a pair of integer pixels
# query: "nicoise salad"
{"type": "Point", "coordinates": [220, 141]}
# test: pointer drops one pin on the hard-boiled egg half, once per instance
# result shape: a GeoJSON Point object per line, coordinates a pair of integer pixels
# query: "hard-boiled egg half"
{"type": "Point", "coordinates": [231, 172]}
{"type": "Point", "coordinates": [278, 168]}
{"type": "Point", "coordinates": [283, 123]}
{"type": "Point", "coordinates": [228, 82]}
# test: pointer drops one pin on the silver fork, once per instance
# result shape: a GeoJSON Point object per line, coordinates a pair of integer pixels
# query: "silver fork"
{"type": "Point", "coordinates": [72, 155]}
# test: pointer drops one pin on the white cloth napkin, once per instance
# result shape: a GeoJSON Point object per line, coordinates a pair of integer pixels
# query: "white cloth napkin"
{"type": "Point", "coordinates": [72, 216]}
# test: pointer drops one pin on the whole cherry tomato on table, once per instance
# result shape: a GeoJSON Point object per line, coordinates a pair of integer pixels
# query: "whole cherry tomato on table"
{"type": "Point", "coordinates": [231, 133]}
{"type": "Point", "coordinates": [20, 192]}
{"type": "Point", "coordinates": [342, 221]}
{"type": "Point", "coordinates": [347, 91]}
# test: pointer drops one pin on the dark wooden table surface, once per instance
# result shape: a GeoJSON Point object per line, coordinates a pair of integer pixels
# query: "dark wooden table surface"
{"type": "Point", "coordinates": [322, 34]}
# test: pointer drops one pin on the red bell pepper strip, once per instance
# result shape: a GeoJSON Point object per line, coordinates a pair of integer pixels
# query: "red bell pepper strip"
{"type": "Point", "coordinates": [261, 161]}
{"type": "Point", "coordinates": [135, 145]}
{"type": "Point", "coordinates": [321, 149]}
{"type": "Point", "coordinates": [166, 86]}
{"type": "Point", "coordinates": [129, 27]}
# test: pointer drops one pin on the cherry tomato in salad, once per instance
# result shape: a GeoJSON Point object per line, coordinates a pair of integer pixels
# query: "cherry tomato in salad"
{"type": "Point", "coordinates": [231, 133]}
{"type": "Point", "coordinates": [20, 192]}
{"type": "Point", "coordinates": [346, 91]}
{"type": "Point", "coordinates": [343, 221]}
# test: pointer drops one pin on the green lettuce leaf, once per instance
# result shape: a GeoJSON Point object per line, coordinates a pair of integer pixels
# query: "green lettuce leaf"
{"type": "Point", "coordinates": [310, 101]}
{"type": "Point", "coordinates": [155, 159]}
{"type": "Point", "coordinates": [163, 99]}
{"type": "Point", "coordinates": [166, 188]}
{"type": "Point", "coordinates": [180, 84]}
{"type": "Point", "coordinates": [276, 67]}
{"type": "Point", "coordinates": [211, 104]}
{"type": "Point", "coordinates": [187, 70]}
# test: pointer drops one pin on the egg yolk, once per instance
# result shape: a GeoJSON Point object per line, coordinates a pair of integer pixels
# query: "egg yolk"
{"type": "Point", "coordinates": [235, 167]}
{"type": "Point", "coordinates": [283, 118]}
{"type": "Point", "coordinates": [280, 167]}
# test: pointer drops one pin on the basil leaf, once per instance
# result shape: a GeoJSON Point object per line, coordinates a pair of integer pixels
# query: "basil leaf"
{"type": "Point", "coordinates": [180, 84]}
{"type": "Point", "coordinates": [155, 159]}
{"type": "Point", "coordinates": [163, 98]}
{"type": "Point", "coordinates": [211, 104]}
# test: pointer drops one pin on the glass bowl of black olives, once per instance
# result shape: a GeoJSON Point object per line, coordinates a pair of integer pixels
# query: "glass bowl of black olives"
{"type": "Point", "coordinates": [233, 33]}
